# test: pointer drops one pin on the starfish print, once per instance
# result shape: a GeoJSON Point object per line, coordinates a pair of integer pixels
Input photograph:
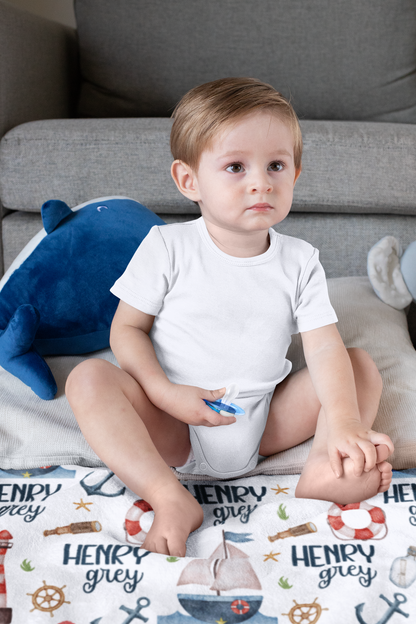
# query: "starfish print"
{"type": "Point", "coordinates": [221, 621]}
{"type": "Point", "coordinates": [280, 490]}
{"type": "Point", "coordinates": [26, 474]}
{"type": "Point", "coordinates": [271, 556]}
{"type": "Point", "coordinates": [82, 505]}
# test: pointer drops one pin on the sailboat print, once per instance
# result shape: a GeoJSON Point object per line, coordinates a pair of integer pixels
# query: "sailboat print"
{"type": "Point", "coordinates": [228, 568]}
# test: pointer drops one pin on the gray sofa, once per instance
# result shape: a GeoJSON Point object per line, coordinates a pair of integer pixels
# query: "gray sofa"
{"type": "Point", "coordinates": [85, 114]}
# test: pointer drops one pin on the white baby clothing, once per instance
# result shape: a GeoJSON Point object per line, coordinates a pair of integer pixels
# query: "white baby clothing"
{"type": "Point", "coordinates": [222, 319]}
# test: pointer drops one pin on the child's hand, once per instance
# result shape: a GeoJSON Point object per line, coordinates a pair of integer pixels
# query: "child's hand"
{"type": "Point", "coordinates": [186, 403]}
{"type": "Point", "coordinates": [351, 439]}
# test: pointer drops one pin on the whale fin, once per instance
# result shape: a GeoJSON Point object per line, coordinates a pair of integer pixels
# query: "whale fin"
{"type": "Point", "coordinates": [53, 212]}
{"type": "Point", "coordinates": [18, 356]}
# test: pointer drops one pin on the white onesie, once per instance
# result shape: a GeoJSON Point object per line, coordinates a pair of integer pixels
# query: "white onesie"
{"type": "Point", "coordinates": [222, 319]}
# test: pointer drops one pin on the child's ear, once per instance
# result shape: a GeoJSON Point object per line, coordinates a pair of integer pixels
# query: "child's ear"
{"type": "Point", "coordinates": [185, 179]}
{"type": "Point", "coordinates": [297, 174]}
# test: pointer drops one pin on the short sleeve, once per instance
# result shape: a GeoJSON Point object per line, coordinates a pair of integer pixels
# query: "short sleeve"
{"type": "Point", "coordinates": [145, 281]}
{"type": "Point", "coordinates": [313, 309]}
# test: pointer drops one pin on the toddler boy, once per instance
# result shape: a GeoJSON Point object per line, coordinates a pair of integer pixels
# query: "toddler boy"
{"type": "Point", "coordinates": [215, 301]}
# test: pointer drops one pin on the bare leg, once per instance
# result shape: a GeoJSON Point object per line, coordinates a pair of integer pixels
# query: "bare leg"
{"type": "Point", "coordinates": [139, 449]}
{"type": "Point", "coordinates": [296, 415]}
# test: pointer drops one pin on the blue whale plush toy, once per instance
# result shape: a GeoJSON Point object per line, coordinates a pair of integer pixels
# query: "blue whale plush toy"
{"type": "Point", "coordinates": [55, 298]}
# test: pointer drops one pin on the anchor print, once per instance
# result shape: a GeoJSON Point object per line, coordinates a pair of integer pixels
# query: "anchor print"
{"type": "Point", "coordinates": [142, 603]}
{"type": "Point", "coordinates": [135, 613]}
{"type": "Point", "coordinates": [96, 488]}
{"type": "Point", "coordinates": [393, 608]}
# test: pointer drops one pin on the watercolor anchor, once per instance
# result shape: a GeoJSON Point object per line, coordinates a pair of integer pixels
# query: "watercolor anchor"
{"type": "Point", "coordinates": [135, 613]}
{"type": "Point", "coordinates": [95, 489]}
{"type": "Point", "coordinates": [393, 608]}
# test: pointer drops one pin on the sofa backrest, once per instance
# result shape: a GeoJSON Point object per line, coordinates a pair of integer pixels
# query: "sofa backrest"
{"type": "Point", "coordinates": [335, 59]}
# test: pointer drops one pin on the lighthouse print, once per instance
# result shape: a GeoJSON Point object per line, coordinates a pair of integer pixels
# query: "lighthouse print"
{"type": "Point", "coordinates": [5, 544]}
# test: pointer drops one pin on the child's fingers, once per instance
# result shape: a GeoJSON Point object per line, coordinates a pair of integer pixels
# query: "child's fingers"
{"type": "Point", "coordinates": [370, 454]}
{"type": "Point", "coordinates": [358, 457]}
{"type": "Point", "coordinates": [215, 419]}
{"type": "Point", "coordinates": [219, 422]}
{"type": "Point", "coordinates": [336, 463]}
{"type": "Point", "coordinates": [381, 438]}
{"type": "Point", "coordinates": [214, 395]}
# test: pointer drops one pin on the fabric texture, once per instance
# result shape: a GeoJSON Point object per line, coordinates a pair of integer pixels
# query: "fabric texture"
{"type": "Point", "coordinates": [38, 68]}
{"type": "Point", "coordinates": [221, 320]}
{"type": "Point", "coordinates": [72, 553]}
{"type": "Point", "coordinates": [211, 445]}
{"type": "Point", "coordinates": [38, 433]}
{"type": "Point", "coordinates": [21, 226]}
{"type": "Point", "coordinates": [204, 300]}
{"type": "Point", "coordinates": [343, 240]}
{"type": "Point", "coordinates": [67, 308]}
{"type": "Point", "coordinates": [348, 167]}
{"type": "Point", "coordinates": [361, 55]}
{"type": "Point", "coordinates": [367, 323]}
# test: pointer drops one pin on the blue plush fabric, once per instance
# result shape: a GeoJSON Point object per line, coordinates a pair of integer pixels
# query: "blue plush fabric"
{"type": "Point", "coordinates": [407, 265]}
{"type": "Point", "coordinates": [58, 301]}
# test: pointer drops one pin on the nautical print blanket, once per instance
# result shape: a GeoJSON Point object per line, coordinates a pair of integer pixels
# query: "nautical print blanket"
{"type": "Point", "coordinates": [70, 549]}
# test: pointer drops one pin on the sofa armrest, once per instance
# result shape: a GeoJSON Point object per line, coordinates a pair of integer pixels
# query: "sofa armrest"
{"type": "Point", "coordinates": [38, 68]}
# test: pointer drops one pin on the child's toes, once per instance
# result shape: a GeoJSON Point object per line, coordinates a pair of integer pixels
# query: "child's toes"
{"type": "Point", "coordinates": [176, 547]}
{"type": "Point", "coordinates": [156, 543]}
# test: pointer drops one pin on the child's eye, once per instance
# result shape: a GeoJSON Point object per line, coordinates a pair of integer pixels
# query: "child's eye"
{"type": "Point", "coordinates": [235, 168]}
{"type": "Point", "coordinates": [276, 166]}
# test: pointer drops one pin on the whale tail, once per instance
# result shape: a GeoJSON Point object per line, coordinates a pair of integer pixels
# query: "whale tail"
{"type": "Point", "coordinates": [18, 356]}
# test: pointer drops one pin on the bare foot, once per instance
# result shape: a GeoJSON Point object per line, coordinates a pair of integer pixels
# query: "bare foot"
{"type": "Point", "coordinates": [318, 480]}
{"type": "Point", "coordinates": [177, 514]}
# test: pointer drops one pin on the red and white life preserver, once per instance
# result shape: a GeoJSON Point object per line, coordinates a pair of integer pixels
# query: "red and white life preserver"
{"type": "Point", "coordinates": [376, 525]}
{"type": "Point", "coordinates": [240, 607]}
{"type": "Point", "coordinates": [132, 525]}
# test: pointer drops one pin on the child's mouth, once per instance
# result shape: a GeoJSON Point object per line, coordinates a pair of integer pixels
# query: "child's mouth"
{"type": "Point", "coordinates": [261, 207]}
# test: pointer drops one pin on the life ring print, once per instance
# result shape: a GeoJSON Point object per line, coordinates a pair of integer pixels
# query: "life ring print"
{"type": "Point", "coordinates": [240, 606]}
{"type": "Point", "coordinates": [375, 529]}
{"type": "Point", "coordinates": [132, 525]}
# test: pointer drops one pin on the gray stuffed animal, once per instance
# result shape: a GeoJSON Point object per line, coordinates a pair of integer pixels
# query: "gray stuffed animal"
{"type": "Point", "coordinates": [392, 273]}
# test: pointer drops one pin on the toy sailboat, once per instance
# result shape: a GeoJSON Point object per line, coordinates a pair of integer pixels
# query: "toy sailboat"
{"type": "Point", "coordinates": [226, 569]}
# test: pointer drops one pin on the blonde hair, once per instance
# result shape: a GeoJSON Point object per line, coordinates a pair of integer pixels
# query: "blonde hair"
{"type": "Point", "coordinates": [208, 108]}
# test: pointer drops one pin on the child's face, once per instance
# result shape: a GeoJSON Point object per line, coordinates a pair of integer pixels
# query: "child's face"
{"type": "Point", "coordinates": [245, 180]}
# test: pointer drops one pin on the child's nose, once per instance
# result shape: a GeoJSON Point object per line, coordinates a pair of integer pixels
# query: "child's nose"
{"type": "Point", "coordinates": [260, 183]}
{"type": "Point", "coordinates": [260, 186]}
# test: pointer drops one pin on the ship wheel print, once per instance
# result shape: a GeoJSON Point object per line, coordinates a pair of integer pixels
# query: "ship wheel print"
{"type": "Point", "coordinates": [48, 598]}
{"type": "Point", "coordinates": [305, 613]}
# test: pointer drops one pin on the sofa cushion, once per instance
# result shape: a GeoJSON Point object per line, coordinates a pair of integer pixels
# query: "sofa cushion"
{"type": "Point", "coordinates": [38, 67]}
{"type": "Point", "coordinates": [343, 240]}
{"type": "Point", "coordinates": [36, 433]}
{"type": "Point", "coordinates": [334, 59]}
{"type": "Point", "coordinates": [347, 166]}
{"type": "Point", "coordinates": [76, 160]}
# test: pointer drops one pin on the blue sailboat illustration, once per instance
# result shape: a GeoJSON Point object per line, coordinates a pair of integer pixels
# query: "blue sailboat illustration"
{"type": "Point", "coordinates": [228, 568]}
